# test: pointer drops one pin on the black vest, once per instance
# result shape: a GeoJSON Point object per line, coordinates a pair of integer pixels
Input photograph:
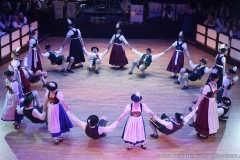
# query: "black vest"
{"type": "Point", "coordinates": [148, 61]}
{"type": "Point", "coordinates": [75, 34]}
{"type": "Point", "coordinates": [52, 57]}
{"type": "Point", "coordinates": [210, 94]}
{"type": "Point", "coordinates": [28, 113]}
{"type": "Point", "coordinates": [167, 131]}
{"type": "Point", "coordinates": [117, 40]}
{"type": "Point", "coordinates": [199, 71]}
{"type": "Point", "coordinates": [92, 132]}
{"type": "Point", "coordinates": [219, 60]}
{"type": "Point", "coordinates": [179, 46]}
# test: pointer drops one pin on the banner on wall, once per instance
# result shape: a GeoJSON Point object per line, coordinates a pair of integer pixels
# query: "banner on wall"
{"type": "Point", "coordinates": [71, 9]}
{"type": "Point", "coordinates": [58, 9]}
{"type": "Point", "coordinates": [155, 9]}
{"type": "Point", "coordinates": [136, 13]}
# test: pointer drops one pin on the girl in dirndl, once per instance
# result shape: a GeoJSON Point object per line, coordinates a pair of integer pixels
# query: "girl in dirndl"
{"type": "Point", "coordinates": [177, 61]}
{"type": "Point", "coordinates": [134, 130]}
{"type": "Point", "coordinates": [76, 43]}
{"type": "Point", "coordinates": [9, 112]}
{"type": "Point", "coordinates": [118, 56]}
{"type": "Point", "coordinates": [220, 65]}
{"type": "Point", "coordinates": [33, 57]}
{"type": "Point", "coordinates": [207, 119]}
{"type": "Point", "coordinates": [58, 121]}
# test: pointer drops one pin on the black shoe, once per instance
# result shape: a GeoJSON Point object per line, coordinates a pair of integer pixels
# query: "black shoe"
{"type": "Point", "coordinates": [96, 71]}
{"type": "Point", "coordinates": [143, 147]}
{"type": "Point", "coordinates": [104, 134]}
{"type": "Point", "coordinates": [70, 71]}
{"type": "Point", "coordinates": [174, 77]}
{"type": "Point", "coordinates": [225, 117]}
{"type": "Point", "coordinates": [191, 124]}
{"type": "Point", "coordinates": [129, 148]}
{"type": "Point", "coordinates": [17, 126]}
{"type": "Point", "coordinates": [177, 82]}
{"type": "Point", "coordinates": [44, 85]}
{"type": "Point", "coordinates": [90, 69]}
{"type": "Point", "coordinates": [194, 102]}
{"type": "Point", "coordinates": [63, 71]}
{"type": "Point", "coordinates": [56, 142]}
{"type": "Point", "coordinates": [130, 72]}
{"type": "Point", "coordinates": [60, 139]}
{"type": "Point", "coordinates": [154, 136]}
{"type": "Point", "coordinates": [143, 76]}
{"type": "Point", "coordinates": [201, 136]}
{"type": "Point", "coordinates": [80, 66]}
{"type": "Point", "coordinates": [184, 87]}
{"type": "Point", "coordinates": [190, 109]}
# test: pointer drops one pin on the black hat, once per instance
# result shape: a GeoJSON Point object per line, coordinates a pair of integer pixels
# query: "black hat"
{"type": "Point", "coordinates": [223, 48]}
{"type": "Point", "coordinates": [232, 71]}
{"type": "Point", "coordinates": [178, 116]}
{"type": "Point", "coordinates": [203, 61]}
{"type": "Point", "coordinates": [149, 50]}
{"type": "Point", "coordinates": [16, 51]}
{"type": "Point", "coordinates": [47, 46]}
{"type": "Point", "coordinates": [50, 87]}
{"type": "Point", "coordinates": [226, 101]}
{"type": "Point", "coordinates": [27, 101]}
{"type": "Point", "coordinates": [93, 120]}
{"type": "Point", "coordinates": [8, 73]}
{"type": "Point", "coordinates": [94, 48]}
{"type": "Point", "coordinates": [136, 97]}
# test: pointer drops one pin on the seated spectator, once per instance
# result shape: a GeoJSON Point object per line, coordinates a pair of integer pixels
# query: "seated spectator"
{"type": "Point", "coordinates": [234, 33]}
{"type": "Point", "coordinates": [210, 22]}
{"type": "Point", "coordinates": [2, 24]}
{"type": "Point", "coordinates": [22, 20]}
{"type": "Point", "coordinates": [23, 6]}
{"type": "Point", "coordinates": [14, 24]}
{"type": "Point", "coordinates": [221, 23]}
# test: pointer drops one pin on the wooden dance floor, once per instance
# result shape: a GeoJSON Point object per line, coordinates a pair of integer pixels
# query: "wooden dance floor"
{"type": "Point", "coordinates": [107, 94]}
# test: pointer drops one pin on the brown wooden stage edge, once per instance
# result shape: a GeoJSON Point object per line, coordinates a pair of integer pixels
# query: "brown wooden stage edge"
{"type": "Point", "coordinates": [107, 94]}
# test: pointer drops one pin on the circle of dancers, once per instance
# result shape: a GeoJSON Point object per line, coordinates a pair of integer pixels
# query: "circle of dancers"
{"type": "Point", "coordinates": [213, 104]}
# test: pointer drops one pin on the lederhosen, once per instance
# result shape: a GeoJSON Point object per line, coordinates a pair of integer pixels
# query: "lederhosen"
{"type": "Point", "coordinates": [54, 59]}
{"type": "Point", "coordinates": [92, 132]}
{"type": "Point", "coordinates": [225, 109]}
{"type": "Point", "coordinates": [94, 60]}
{"type": "Point", "coordinates": [28, 113]}
{"type": "Point", "coordinates": [164, 129]}
{"type": "Point", "coordinates": [32, 77]}
{"type": "Point", "coordinates": [196, 73]}
{"type": "Point", "coordinates": [146, 61]}
{"type": "Point", "coordinates": [117, 40]}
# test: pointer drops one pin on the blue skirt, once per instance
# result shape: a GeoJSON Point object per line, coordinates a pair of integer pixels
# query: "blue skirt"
{"type": "Point", "coordinates": [19, 117]}
{"type": "Point", "coordinates": [65, 123]}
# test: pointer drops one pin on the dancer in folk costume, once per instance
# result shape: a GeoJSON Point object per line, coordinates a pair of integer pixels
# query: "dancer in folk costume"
{"type": "Point", "coordinates": [134, 130]}
{"type": "Point", "coordinates": [55, 57]}
{"type": "Point", "coordinates": [12, 100]}
{"type": "Point", "coordinates": [94, 128]}
{"type": "Point", "coordinates": [177, 60]}
{"type": "Point", "coordinates": [33, 77]}
{"type": "Point", "coordinates": [226, 89]}
{"type": "Point", "coordinates": [35, 115]}
{"type": "Point", "coordinates": [220, 65]}
{"type": "Point", "coordinates": [145, 61]}
{"type": "Point", "coordinates": [95, 58]}
{"type": "Point", "coordinates": [33, 56]}
{"type": "Point", "coordinates": [207, 119]}
{"type": "Point", "coordinates": [76, 43]}
{"type": "Point", "coordinates": [167, 125]}
{"type": "Point", "coordinates": [196, 74]}
{"type": "Point", "coordinates": [58, 121]}
{"type": "Point", "coordinates": [118, 56]}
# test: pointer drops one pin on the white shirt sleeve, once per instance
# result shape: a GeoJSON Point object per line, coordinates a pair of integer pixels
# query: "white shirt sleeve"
{"type": "Point", "coordinates": [14, 25]}
{"type": "Point", "coordinates": [167, 124]}
{"type": "Point", "coordinates": [31, 42]}
{"type": "Point", "coordinates": [184, 45]}
{"type": "Point", "coordinates": [45, 55]}
{"type": "Point", "coordinates": [223, 59]}
{"type": "Point", "coordinates": [69, 33]}
{"type": "Point", "coordinates": [38, 115]}
{"type": "Point", "coordinates": [79, 33]}
{"type": "Point", "coordinates": [76, 120]}
{"type": "Point", "coordinates": [226, 82]}
{"type": "Point", "coordinates": [15, 87]}
{"type": "Point", "coordinates": [25, 73]}
{"type": "Point", "coordinates": [174, 44]}
{"type": "Point", "coordinates": [2, 26]}
{"type": "Point", "coordinates": [113, 37]}
{"type": "Point", "coordinates": [137, 53]}
{"type": "Point", "coordinates": [25, 20]}
{"type": "Point", "coordinates": [101, 55]}
{"type": "Point", "coordinates": [122, 38]}
{"type": "Point", "coordinates": [192, 64]}
{"type": "Point", "coordinates": [46, 94]}
{"type": "Point", "coordinates": [86, 52]}
{"type": "Point", "coordinates": [60, 96]}
{"type": "Point", "coordinates": [127, 110]}
{"type": "Point", "coordinates": [15, 64]}
{"type": "Point", "coordinates": [207, 70]}
{"type": "Point", "coordinates": [19, 110]}
{"type": "Point", "coordinates": [206, 89]}
{"type": "Point", "coordinates": [101, 130]}
{"type": "Point", "coordinates": [59, 51]}
{"type": "Point", "coordinates": [154, 57]}
{"type": "Point", "coordinates": [145, 108]}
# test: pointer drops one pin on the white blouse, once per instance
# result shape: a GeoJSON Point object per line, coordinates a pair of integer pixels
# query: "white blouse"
{"type": "Point", "coordinates": [184, 45]}
{"type": "Point", "coordinates": [70, 32]}
{"type": "Point", "coordinates": [121, 38]}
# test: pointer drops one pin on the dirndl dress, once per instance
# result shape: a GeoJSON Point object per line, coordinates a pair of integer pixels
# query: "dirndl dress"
{"type": "Point", "coordinates": [58, 120]}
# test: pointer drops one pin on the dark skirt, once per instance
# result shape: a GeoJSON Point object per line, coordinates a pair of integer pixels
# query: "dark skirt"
{"type": "Point", "coordinates": [201, 124]}
{"type": "Point", "coordinates": [39, 64]}
{"type": "Point", "coordinates": [19, 117]}
{"type": "Point", "coordinates": [75, 50]}
{"type": "Point", "coordinates": [220, 79]}
{"type": "Point", "coordinates": [180, 62]}
{"type": "Point", "coordinates": [118, 56]}
{"type": "Point", "coordinates": [65, 123]}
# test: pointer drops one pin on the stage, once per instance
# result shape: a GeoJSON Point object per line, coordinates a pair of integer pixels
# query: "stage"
{"type": "Point", "coordinates": [108, 93]}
